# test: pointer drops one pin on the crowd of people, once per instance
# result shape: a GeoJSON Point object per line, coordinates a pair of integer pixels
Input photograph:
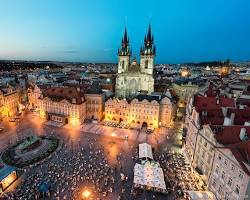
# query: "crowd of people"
{"type": "Point", "coordinates": [70, 172]}
{"type": "Point", "coordinates": [178, 174]}
{"type": "Point", "coordinates": [75, 168]}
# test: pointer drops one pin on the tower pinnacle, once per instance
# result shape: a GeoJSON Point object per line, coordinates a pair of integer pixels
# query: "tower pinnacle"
{"type": "Point", "coordinates": [124, 50]}
{"type": "Point", "coordinates": [149, 47]}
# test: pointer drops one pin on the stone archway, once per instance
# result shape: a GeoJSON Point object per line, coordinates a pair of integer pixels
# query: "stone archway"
{"type": "Point", "coordinates": [144, 125]}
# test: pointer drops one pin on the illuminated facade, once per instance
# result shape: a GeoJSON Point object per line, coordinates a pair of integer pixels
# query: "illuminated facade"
{"type": "Point", "coordinates": [7, 176]}
{"type": "Point", "coordinates": [33, 96]}
{"type": "Point", "coordinates": [9, 102]}
{"type": "Point", "coordinates": [187, 89]}
{"type": "Point", "coordinates": [152, 111]}
{"type": "Point", "coordinates": [95, 106]}
{"type": "Point", "coordinates": [133, 77]}
{"type": "Point", "coordinates": [63, 105]}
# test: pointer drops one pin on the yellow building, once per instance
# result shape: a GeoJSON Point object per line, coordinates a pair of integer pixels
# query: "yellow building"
{"type": "Point", "coordinates": [33, 96]}
{"type": "Point", "coordinates": [186, 89]}
{"type": "Point", "coordinates": [95, 102]}
{"type": "Point", "coordinates": [95, 106]}
{"type": "Point", "coordinates": [7, 176]}
{"type": "Point", "coordinates": [63, 105]}
{"type": "Point", "coordinates": [143, 110]}
{"type": "Point", "coordinates": [9, 101]}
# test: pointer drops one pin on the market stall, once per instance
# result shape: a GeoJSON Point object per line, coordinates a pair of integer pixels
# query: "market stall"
{"type": "Point", "coordinates": [145, 151]}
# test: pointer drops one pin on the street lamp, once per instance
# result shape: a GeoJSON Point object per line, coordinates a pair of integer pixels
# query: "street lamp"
{"type": "Point", "coordinates": [86, 194]}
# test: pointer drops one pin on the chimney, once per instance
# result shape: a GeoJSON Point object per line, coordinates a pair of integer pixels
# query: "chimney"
{"type": "Point", "coordinates": [247, 123]}
{"type": "Point", "coordinates": [224, 111]}
{"type": "Point", "coordinates": [217, 100]}
{"type": "Point", "coordinates": [241, 106]}
{"type": "Point", "coordinates": [232, 118]}
{"type": "Point", "coordinates": [243, 135]}
{"type": "Point", "coordinates": [227, 121]}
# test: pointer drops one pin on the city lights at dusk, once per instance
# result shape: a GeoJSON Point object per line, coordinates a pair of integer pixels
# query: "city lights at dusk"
{"type": "Point", "coordinates": [124, 100]}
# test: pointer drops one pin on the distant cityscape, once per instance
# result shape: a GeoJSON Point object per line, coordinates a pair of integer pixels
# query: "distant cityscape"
{"type": "Point", "coordinates": [127, 130]}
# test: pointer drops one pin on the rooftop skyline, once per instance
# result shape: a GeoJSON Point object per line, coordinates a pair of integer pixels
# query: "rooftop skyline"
{"type": "Point", "coordinates": [184, 31]}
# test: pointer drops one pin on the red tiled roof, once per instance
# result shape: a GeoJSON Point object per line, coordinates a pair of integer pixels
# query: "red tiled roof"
{"type": "Point", "coordinates": [209, 103]}
{"type": "Point", "coordinates": [241, 152]}
{"type": "Point", "coordinates": [210, 91]}
{"type": "Point", "coordinates": [227, 135]}
{"type": "Point", "coordinates": [60, 93]}
{"type": "Point", "coordinates": [230, 137]}
{"type": "Point", "coordinates": [241, 101]}
{"type": "Point", "coordinates": [241, 115]}
{"type": "Point", "coordinates": [212, 117]}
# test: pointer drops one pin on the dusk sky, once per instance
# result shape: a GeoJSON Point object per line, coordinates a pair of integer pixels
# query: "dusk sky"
{"type": "Point", "coordinates": [71, 30]}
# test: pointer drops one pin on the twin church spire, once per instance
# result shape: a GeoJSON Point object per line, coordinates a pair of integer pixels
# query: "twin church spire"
{"type": "Point", "coordinates": [125, 50]}
{"type": "Point", "coordinates": [147, 49]}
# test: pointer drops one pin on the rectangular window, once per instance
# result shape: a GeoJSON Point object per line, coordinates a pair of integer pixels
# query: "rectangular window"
{"type": "Point", "coordinates": [237, 189]}
{"type": "Point", "coordinates": [220, 189]}
{"type": "Point", "coordinates": [241, 175]}
{"type": "Point", "coordinates": [217, 169]}
{"type": "Point", "coordinates": [223, 175]}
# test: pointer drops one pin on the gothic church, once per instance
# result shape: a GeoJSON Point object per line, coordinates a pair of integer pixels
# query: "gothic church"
{"type": "Point", "coordinates": [134, 78]}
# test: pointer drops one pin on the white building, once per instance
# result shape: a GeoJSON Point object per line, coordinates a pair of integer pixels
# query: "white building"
{"type": "Point", "coordinates": [132, 77]}
{"type": "Point", "coordinates": [230, 173]}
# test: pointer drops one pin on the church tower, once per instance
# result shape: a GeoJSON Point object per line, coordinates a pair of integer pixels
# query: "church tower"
{"type": "Point", "coordinates": [124, 54]}
{"type": "Point", "coordinates": [147, 53]}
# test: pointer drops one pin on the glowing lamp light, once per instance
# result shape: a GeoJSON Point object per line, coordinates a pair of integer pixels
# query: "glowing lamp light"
{"type": "Point", "coordinates": [113, 135]}
{"type": "Point", "coordinates": [184, 73]}
{"type": "Point", "coordinates": [86, 194]}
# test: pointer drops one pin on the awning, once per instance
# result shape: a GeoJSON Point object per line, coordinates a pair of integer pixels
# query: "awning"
{"type": "Point", "coordinates": [145, 151]}
{"type": "Point", "coordinates": [148, 175]}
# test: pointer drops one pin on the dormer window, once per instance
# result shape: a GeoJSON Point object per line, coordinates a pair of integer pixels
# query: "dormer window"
{"type": "Point", "coordinates": [73, 100]}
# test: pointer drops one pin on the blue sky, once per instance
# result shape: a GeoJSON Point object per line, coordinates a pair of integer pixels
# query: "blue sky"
{"type": "Point", "coordinates": [83, 30]}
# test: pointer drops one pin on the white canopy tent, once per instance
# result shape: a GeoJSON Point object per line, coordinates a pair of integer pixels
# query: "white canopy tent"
{"type": "Point", "coordinates": [201, 195]}
{"type": "Point", "coordinates": [145, 151]}
{"type": "Point", "coordinates": [148, 175]}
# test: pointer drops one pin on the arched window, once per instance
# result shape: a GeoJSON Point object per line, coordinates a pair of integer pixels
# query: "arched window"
{"type": "Point", "coordinates": [146, 64]}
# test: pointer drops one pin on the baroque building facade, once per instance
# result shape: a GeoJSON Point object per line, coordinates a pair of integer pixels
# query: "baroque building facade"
{"type": "Point", "coordinates": [9, 101]}
{"type": "Point", "coordinates": [63, 105]}
{"type": "Point", "coordinates": [134, 77]}
{"type": "Point", "coordinates": [143, 110]}
{"type": "Point", "coordinates": [67, 105]}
